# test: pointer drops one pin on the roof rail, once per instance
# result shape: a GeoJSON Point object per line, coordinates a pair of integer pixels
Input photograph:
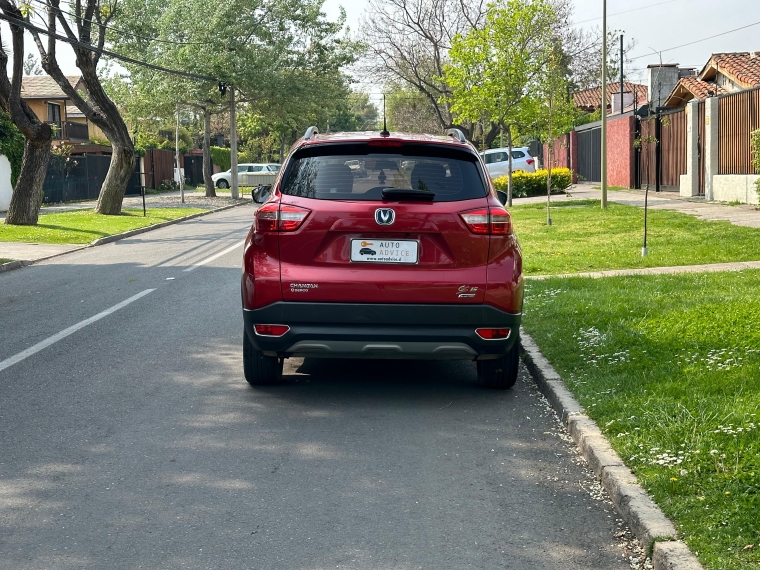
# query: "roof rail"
{"type": "Point", "coordinates": [310, 132]}
{"type": "Point", "coordinates": [457, 134]}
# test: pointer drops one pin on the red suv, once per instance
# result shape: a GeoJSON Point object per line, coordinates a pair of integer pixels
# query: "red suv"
{"type": "Point", "coordinates": [382, 246]}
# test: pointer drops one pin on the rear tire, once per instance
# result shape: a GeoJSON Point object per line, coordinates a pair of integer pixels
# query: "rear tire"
{"type": "Point", "coordinates": [260, 369]}
{"type": "Point", "coordinates": [500, 373]}
{"type": "Point", "coordinates": [222, 183]}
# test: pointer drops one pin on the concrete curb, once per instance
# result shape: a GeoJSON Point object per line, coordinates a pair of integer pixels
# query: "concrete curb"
{"type": "Point", "coordinates": [631, 501]}
{"type": "Point", "coordinates": [11, 265]}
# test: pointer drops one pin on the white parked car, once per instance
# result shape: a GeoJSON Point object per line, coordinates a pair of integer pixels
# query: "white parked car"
{"type": "Point", "coordinates": [248, 175]}
{"type": "Point", "coordinates": [497, 161]}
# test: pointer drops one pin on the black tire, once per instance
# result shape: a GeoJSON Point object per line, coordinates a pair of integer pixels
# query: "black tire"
{"type": "Point", "coordinates": [500, 373]}
{"type": "Point", "coordinates": [259, 369]}
{"type": "Point", "coordinates": [222, 183]}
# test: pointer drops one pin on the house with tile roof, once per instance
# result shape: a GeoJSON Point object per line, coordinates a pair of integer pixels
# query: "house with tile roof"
{"type": "Point", "coordinates": [590, 100]}
{"type": "Point", "coordinates": [51, 105]}
{"type": "Point", "coordinates": [724, 73]}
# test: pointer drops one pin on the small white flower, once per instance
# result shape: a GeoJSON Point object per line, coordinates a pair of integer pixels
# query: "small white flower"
{"type": "Point", "coordinates": [713, 452]}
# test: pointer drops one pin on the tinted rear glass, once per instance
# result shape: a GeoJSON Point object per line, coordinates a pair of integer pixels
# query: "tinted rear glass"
{"type": "Point", "coordinates": [360, 172]}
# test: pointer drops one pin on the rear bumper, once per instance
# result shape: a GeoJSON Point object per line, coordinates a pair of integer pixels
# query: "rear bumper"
{"type": "Point", "coordinates": [353, 330]}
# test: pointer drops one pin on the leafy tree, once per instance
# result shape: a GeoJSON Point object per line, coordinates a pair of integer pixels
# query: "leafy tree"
{"type": "Point", "coordinates": [85, 28]}
{"type": "Point", "coordinates": [409, 111]}
{"type": "Point", "coordinates": [27, 192]}
{"type": "Point", "coordinates": [32, 66]}
{"type": "Point", "coordinates": [496, 71]}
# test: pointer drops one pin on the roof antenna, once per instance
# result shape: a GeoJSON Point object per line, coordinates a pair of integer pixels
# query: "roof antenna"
{"type": "Point", "coordinates": [384, 132]}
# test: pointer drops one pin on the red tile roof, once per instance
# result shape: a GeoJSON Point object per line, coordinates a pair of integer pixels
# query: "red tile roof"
{"type": "Point", "coordinates": [590, 99]}
{"type": "Point", "coordinates": [741, 66]}
{"type": "Point", "coordinates": [692, 87]}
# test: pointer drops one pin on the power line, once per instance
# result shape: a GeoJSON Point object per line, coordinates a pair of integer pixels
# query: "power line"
{"type": "Point", "coordinates": [697, 41]}
{"type": "Point", "coordinates": [88, 47]}
{"type": "Point", "coordinates": [625, 12]}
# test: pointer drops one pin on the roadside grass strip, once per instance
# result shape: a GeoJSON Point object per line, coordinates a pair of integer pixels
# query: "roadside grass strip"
{"type": "Point", "coordinates": [669, 368]}
{"type": "Point", "coordinates": [84, 226]}
{"type": "Point", "coordinates": [583, 237]}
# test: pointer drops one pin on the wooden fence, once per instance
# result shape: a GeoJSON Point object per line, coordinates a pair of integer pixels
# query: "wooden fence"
{"type": "Point", "coordinates": [666, 158]}
{"type": "Point", "coordinates": [739, 116]}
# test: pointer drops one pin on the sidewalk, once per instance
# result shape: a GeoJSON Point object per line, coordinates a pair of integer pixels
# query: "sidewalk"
{"type": "Point", "coordinates": [668, 270]}
{"type": "Point", "coordinates": [740, 215]}
{"type": "Point", "coordinates": [27, 253]}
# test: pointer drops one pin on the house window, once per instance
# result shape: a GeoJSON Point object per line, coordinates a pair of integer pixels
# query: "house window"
{"type": "Point", "coordinates": [54, 113]}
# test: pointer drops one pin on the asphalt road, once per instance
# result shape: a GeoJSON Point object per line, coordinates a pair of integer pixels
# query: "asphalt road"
{"type": "Point", "coordinates": [131, 440]}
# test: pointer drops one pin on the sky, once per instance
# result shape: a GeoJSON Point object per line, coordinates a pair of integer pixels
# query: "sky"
{"type": "Point", "coordinates": [655, 25]}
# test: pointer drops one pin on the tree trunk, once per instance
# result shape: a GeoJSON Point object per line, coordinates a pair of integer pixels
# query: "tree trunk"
{"type": "Point", "coordinates": [490, 136]}
{"type": "Point", "coordinates": [549, 158]}
{"type": "Point", "coordinates": [27, 196]}
{"type": "Point", "coordinates": [208, 183]}
{"type": "Point", "coordinates": [119, 171]}
{"type": "Point", "coordinates": [282, 148]}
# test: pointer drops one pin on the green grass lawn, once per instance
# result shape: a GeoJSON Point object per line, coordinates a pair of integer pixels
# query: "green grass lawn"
{"type": "Point", "coordinates": [583, 237]}
{"type": "Point", "coordinates": [669, 367]}
{"type": "Point", "coordinates": [84, 226]}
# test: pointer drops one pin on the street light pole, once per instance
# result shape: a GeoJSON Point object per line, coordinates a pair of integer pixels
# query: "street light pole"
{"type": "Point", "coordinates": [179, 169]}
{"type": "Point", "coordinates": [604, 105]}
{"type": "Point", "coordinates": [233, 147]}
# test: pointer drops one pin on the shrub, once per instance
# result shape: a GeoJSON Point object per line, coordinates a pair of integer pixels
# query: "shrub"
{"type": "Point", "coordinates": [755, 144]}
{"type": "Point", "coordinates": [221, 157]}
{"type": "Point", "coordinates": [525, 184]}
{"type": "Point", "coordinates": [11, 145]}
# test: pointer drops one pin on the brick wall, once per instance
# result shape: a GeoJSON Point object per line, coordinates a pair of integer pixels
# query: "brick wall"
{"type": "Point", "coordinates": [620, 152]}
{"type": "Point", "coordinates": [560, 153]}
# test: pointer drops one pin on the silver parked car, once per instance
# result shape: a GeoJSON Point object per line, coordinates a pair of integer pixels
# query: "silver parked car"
{"type": "Point", "coordinates": [497, 161]}
{"type": "Point", "coordinates": [249, 174]}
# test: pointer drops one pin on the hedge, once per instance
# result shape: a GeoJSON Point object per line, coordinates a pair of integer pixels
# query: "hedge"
{"type": "Point", "coordinates": [755, 145]}
{"type": "Point", "coordinates": [221, 157]}
{"type": "Point", "coordinates": [11, 145]}
{"type": "Point", "coordinates": [525, 184]}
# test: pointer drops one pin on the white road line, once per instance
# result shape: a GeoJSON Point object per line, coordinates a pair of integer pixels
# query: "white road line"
{"type": "Point", "coordinates": [16, 358]}
{"type": "Point", "coordinates": [213, 257]}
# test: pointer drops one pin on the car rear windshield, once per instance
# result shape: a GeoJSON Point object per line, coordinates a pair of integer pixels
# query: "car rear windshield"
{"type": "Point", "coordinates": [362, 172]}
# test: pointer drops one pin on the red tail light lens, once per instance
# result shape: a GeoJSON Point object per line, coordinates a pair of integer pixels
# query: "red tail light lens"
{"type": "Point", "coordinates": [488, 221]}
{"type": "Point", "coordinates": [280, 217]}
{"type": "Point", "coordinates": [501, 222]}
{"type": "Point", "coordinates": [267, 217]}
{"type": "Point", "coordinates": [493, 334]}
{"type": "Point", "coordinates": [530, 161]}
{"type": "Point", "coordinates": [385, 143]}
{"type": "Point", "coordinates": [291, 217]}
{"type": "Point", "coordinates": [271, 330]}
{"type": "Point", "coordinates": [476, 220]}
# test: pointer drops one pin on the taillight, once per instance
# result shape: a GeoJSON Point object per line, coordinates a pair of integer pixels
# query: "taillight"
{"type": "Point", "coordinates": [489, 221]}
{"type": "Point", "coordinates": [271, 330]}
{"type": "Point", "coordinates": [493, 334]}
{"type": "Point", "coordinates": [267, 217]}
{"type": "Point", "coordinates": [280, 217]}
{"type": "Point", "coordinates": [291, 217]}
{"type": "Point", "coordinates": [530, 161]}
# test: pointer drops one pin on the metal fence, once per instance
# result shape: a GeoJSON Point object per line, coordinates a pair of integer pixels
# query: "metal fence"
{"type": "Point", "coordinates": [739, 115]}
{"type": "Point", "coordinates": [194, 169]}
{"type": "Point", "coordinates": [590, 155]}
{"type": "Point", "coordinates": [80, 178]}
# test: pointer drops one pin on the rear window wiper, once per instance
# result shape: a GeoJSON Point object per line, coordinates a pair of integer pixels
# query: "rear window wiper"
{"type": "Point", "coordinates": [407, 194]}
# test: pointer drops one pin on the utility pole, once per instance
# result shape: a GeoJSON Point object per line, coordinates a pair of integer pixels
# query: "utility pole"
{"type": "Point", "coordinates": [604, 105]}
{"type": "Point", "coordinates": [233, 147]}
{"type": "Point", "coordinates": [176, 155]}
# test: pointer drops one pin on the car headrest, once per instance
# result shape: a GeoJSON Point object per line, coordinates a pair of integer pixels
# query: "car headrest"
{"type": "Point", "coordinates": [428, 176]}
{"type": "Point", "coordinates": [333, 178]}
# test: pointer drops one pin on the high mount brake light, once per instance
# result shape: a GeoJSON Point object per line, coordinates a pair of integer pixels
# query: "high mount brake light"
{"type": "Point", "coordinates": [488, 221]}
{"type": "Point", "coordinates": [385, 142]}
{"type": "Point", "coordinates": [280, 217]}
{"type": "Point", "coordinates": [493, 334]}
{"type": "Point", "coordinates": [271, 330]}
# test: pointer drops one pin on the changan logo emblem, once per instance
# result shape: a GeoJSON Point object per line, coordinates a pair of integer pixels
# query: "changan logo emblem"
{"type": "Point", "coordinates": [385, 216]}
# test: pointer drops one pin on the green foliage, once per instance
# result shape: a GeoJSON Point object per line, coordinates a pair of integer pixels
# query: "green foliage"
{"type": "Point", "coordinates": [668, 366]}
{"type": "Point", "coordinates": [221, 157]}
{"type": "Point", "coordinates": [526, 184]}
{"type": "Point", "coordinates": [146, 140]}
{"type": "Point", "coordinates": [100, 141]}
{"type": "Point", "coordinates": [755, 144]}
{"type": "Point", "coordinates": [11, 145]}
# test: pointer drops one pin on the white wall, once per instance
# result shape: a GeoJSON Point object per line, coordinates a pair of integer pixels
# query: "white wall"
{"type": "Point", "coordinates": [735, 188]}
{"type": "Point", "coordinates": [6, 190]}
